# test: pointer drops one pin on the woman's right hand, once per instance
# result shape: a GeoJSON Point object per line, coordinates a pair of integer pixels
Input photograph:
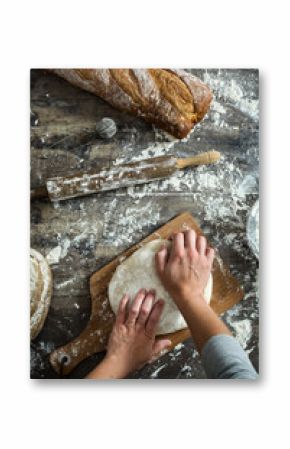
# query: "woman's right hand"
{"type": "Point", "coordinates": [184, 271]}
{"type": "Point", "coordinates": [185, 268]}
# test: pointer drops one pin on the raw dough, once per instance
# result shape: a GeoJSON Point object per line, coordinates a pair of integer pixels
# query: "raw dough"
{"type": "Point", "coordinates": [40, 292]}
{"type": "Point", "coordinates": [138, 271]}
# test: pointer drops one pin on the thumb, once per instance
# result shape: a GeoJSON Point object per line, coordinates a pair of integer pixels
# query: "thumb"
{"type": "Point", "coordinates": [160, 346]}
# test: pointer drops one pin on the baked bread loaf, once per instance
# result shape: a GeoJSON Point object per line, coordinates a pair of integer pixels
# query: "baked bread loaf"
{"type": "Point", "coordinates": [40, 291]}
{"type": "Point", "coordinates": [173, 100]}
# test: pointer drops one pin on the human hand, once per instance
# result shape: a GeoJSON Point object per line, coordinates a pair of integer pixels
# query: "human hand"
{"type": "Point", "coordinates": [132, 342]}
{"type": "Point", "coordinates": [185, 268]}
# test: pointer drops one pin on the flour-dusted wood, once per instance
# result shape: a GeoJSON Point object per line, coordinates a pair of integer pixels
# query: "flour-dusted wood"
{"type": "Point", "coordinates": [226, 293]}
{"type": "Point", "coordinates": [174, 100]}
{"type": "Point", "coordinates": [118, 176]}
{"type": "Point", "coordinates": [99, 227]}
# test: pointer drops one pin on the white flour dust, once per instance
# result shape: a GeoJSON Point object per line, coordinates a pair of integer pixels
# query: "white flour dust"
{"type": "Point", "coordinates": [38, 353]}
{"type": "Point", "coordinates": [243, 331]}
{"type": "Point", "coordinates": [225, 177]}
{"type": "Point", "coordinates": [154, 150]}
{"type": "Point", "coordinates": [186, 371]}
{"type": "Point", "coordinates": [157, 371]}
{"type": "Point", "coordinates": [228, 90]}
{"type": "Point", "coordinates": [53, 256]}
{"type": "Point", "coordinates": [176, 352]}
{"type": "Point", "coordinates": [58, 252]}
{"type": "Point", "coordinates": [64, 284]}
{"type": "Point", "coordinates": [121, 228]}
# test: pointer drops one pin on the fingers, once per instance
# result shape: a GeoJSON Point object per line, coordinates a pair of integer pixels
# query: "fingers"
{"type": "Point", "coordinates": [121, 315]}
{"type": "Point", "coordinates": [177, 249]}
{"type": "Point", "coordinates": [135, 307]}
{"type": "Point", "coordinates": [201, 244]}
{"type": "Point", "coordinates": [154, 318]}
{"type": "Point", "coordinates": [161, 259]}
{"type": "Point", "coordinates": [210, 254]}
{"type": "Point", "coordinates": [190, 240]}
{"type": "Point", "coordinates": [160, 346]}
{"type": "Point", "coordinates": [146, 308]}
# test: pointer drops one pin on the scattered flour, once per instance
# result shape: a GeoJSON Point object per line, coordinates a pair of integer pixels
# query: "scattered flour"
{"type": "Point", "coordinates": [38, 354]}
{"type": "Point", "coordinates": [230, 91]}
{"type": "Point", "coordinates": [185, 370]}
{"type": "Point", "coordinates": [157, 371]}
{"type": "Point", "coordinates": [53, 256]}
{"type": "Point", "coordinates": [224, 177]}
{"type": "Point", "coordinates": [121, 228]}
{"type": "Point", "coordinates": [243, 331]}
{"type": "Point", "coordinates": [217, 107]}
{"type": "Point", "coordinates": [176, 352]}
{"type": "Point", "coordinates": [155, 150]}
{"type": "Point", "coordinates": [58, 252]}
{"type": "Point", "coordinates": [248, 185]}
{"type": "Point", "coordinates": [64, 284]}
{"type": "Point", "coordinates": [178, 347]}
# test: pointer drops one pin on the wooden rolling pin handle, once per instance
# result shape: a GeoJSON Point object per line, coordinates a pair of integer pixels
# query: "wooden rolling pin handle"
{"type": "Point", "coordinates": [209, 157]}
{"type": "Point", "coordinates": [39, 192]}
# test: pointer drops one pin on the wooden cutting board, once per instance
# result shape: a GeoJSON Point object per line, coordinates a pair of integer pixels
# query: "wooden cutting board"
{"type": "Point", "coordinates": [226, 293]}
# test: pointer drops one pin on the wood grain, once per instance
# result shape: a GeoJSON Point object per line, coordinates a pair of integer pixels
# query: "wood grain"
{"type": "Point", "coordinates": [60, 146]}
{"type": "Point", "coordinates": [93, 339]}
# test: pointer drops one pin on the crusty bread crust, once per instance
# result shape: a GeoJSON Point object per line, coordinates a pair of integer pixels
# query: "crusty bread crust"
{"type": "Point", "coordinates": [174, 100]}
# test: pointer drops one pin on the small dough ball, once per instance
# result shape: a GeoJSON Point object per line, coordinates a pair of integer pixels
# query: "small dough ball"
{"type": "Point", "coordinates": [138, 271]}
{"type": "Point", "coordinates": [106, 128]}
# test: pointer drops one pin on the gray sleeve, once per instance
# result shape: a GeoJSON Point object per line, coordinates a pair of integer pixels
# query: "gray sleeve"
{"type": "Point", "coordinates": [224, 358]}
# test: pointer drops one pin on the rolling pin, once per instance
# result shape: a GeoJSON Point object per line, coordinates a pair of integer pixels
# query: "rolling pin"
{"type": "Point", "coordinates": [139, 172]}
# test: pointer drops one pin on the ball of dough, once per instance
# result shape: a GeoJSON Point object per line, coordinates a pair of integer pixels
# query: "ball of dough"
{"type": "Point", "coordinates": [138, 271]}
{"type": "Point", "coordinates": [106, 128]}
{"type": "Point", "coordinates": [40, 292]}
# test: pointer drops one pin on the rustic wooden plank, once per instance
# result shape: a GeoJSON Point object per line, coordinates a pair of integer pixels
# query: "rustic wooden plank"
{"type": "Point", "coordinates": [96, 229]}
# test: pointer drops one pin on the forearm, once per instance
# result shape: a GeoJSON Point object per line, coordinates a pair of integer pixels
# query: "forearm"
{"type": "Point", "coordinates": [224, 358]}
{"type": "Point", "coordinates": [201, 319]}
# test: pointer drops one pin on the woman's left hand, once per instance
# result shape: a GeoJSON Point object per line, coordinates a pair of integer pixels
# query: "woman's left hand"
{"type": "Point", "coordinates": [132, 342]}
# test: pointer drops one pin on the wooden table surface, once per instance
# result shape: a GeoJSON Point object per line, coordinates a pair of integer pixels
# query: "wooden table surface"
{"type": "Point", "coordinates": [79, 236]}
